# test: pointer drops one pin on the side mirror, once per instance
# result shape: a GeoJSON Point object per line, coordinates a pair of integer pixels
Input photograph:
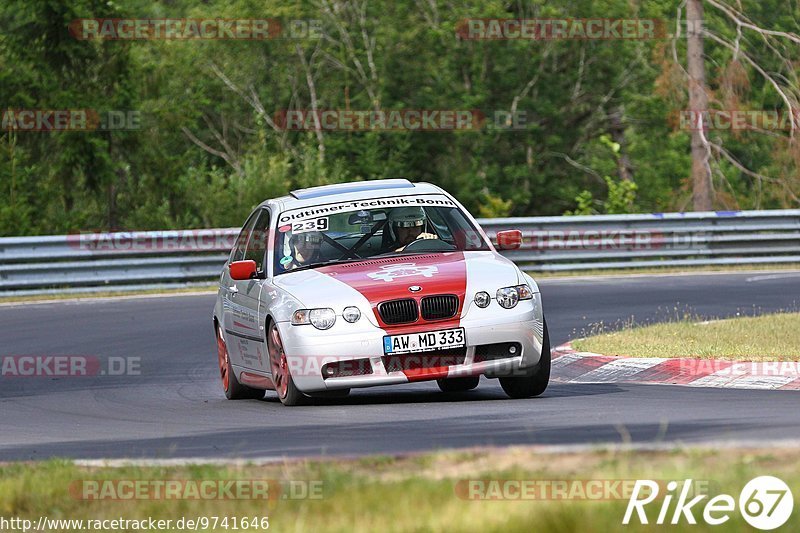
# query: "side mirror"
{"type": "Point", "coordinates": [510, 239]}
{"type": "Point", "coordinates": [243, 270]}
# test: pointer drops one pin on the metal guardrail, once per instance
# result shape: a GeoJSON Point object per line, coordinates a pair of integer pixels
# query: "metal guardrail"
{"type": "Point", "coordinates": [75, 263]}
{"type": "Point", "coordinates": [659, 239]}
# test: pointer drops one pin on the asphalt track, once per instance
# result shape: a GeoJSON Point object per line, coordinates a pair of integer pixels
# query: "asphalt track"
{"type": "Point", "coordinates": [175, 407]}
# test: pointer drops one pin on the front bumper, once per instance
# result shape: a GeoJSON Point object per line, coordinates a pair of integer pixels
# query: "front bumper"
{"type": "Point", "coordinates": [308, 350]}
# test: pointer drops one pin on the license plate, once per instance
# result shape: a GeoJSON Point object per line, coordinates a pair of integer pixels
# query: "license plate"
{"type": "Point", "coordinates": [428, 341]}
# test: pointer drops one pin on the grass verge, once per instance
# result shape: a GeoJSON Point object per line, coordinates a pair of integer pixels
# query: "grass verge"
{"type": "Point", "coordinates": [773, 337]}
{"type": "Point", "coordinates": [408, 494]}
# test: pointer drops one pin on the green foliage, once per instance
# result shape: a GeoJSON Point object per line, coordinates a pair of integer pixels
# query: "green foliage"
{"type": "Point", "coordinates": [16, 177]}
{"type": "Point", "coordinates": [621, 195]}
{"type": "Point", "coordinates": [585, 205]}
{"type": "Point", "coordinates": [207, 151]}
{"type": "Point", "coordinates": [494, 207]}
{"type": "Point", "coordinates": [620, 200]}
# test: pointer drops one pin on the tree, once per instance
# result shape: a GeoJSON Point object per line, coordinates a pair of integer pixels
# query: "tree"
{"type": "Point", "coordinates": [702, 188]}
{"type": "Point", "coordinates": [745, 52]}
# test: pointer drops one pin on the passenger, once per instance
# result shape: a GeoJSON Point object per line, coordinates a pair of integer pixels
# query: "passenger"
{"type": "Point", "coordinates": [305, 249]}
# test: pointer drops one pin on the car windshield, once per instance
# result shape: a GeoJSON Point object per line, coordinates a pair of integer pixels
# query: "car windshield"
{"type": "Point", "coordinates": [350, 231]}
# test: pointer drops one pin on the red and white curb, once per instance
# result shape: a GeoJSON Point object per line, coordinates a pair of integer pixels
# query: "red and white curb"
{"type": "Point", "coordinates": [571, 366]}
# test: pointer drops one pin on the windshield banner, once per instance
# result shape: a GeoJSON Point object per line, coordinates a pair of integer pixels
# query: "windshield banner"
{"type": "Point", "coordinates": [421, 200]}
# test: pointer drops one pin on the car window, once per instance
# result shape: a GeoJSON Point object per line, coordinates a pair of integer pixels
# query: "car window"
{"type": "Point", "coordinates": [436, 217]}
{"type": "Point", "coordinates": [368, 228]}
{"type": "Point", "coordinates": [257, 244]}
{"type": "Point", "coordinates": [461, 232]}
{"type": "Point", "coordinates": [237, 254]}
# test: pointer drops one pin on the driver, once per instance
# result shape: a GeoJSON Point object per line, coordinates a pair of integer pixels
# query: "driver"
{"type": "Point", "coordinates": [305, 249]}
{"type": "Point", "coordinates": [407, 225]}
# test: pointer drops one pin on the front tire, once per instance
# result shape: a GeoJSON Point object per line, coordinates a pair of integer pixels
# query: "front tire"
{"type": "Point", "coordinates": [288, 393]}
{"type": "Point", "coordinates": [233, 389]}
{"type": "Point", "coordinates": [458, 384]}
{"type": "Point", "coordinates": [536, 382]}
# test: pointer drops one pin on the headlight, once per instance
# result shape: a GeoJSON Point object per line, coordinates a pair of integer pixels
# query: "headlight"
{"type": "Point", "coordinates": [351, 314]}
{"type": "Point", "coordinates": [322, 318]}
{"type": "Point", "coordinates": [482, 299]}
{"type": "Point", "coordinates": [508, 297]}
{"type": "Point", "coordinates": [319, 318]}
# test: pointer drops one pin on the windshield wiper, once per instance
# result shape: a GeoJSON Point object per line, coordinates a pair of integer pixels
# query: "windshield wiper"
{"type": "Point", "coordinates": [321, 264]}
{"type": "Point", "coordinates": [400, 254]}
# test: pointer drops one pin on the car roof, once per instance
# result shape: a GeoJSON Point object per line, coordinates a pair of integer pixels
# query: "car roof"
{"type": "Point", "coordinates": [355, 190]}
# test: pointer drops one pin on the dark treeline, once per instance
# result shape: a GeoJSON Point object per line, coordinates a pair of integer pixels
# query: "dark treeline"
{"type": "Point", "coordinates": [598, 129]}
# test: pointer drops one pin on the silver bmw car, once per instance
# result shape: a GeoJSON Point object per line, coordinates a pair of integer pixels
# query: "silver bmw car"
{"type": "Point", "coordinates": [375, 283]}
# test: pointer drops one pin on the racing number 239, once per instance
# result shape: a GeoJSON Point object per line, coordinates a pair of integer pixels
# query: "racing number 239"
{"type": "Point", "coordinates": [317, 224]}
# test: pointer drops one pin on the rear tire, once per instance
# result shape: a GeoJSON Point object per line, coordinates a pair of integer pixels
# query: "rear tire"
{"type": "Point", "coordinates": [534, 383]}
{"type": "Point", "coordinates": [458, 384]}
{"type": "Point", "coordinates": [233, 389]}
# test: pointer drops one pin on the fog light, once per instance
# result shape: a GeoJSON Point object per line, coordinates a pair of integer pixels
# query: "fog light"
{"type": "Point", "coordinates": [482, 299]}
{"type": "Point", "coordinates": [512, 349]}
{"type": "Point", "coordinates": [351, 314]}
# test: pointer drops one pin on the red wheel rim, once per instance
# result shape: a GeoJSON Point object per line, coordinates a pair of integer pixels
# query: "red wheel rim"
{"type": "Point", "coordinates": [222, 357]}
{"type": "Point", "coordinates": [277, 360]}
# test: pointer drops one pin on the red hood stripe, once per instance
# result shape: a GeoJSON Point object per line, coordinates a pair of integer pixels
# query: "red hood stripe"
{"type": "Point", "coordinates": [380, 280]}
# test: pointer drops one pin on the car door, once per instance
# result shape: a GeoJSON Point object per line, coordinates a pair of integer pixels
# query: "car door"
{"type": "Point", "coordinates": [237, 319]}
{"type": "Point", "coordinates": [246, 325]}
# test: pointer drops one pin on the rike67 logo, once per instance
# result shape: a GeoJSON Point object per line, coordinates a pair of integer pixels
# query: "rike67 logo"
{"type": "Point", "coordinates": [765, 503]}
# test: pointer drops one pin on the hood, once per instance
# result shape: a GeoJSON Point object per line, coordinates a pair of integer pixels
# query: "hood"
{"type": "Point", "coordinates": [367, 283]}
{"type": "Point", "coordinates": [390, 278]}
{"type": "Point", "coordinates": [489, 271]}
